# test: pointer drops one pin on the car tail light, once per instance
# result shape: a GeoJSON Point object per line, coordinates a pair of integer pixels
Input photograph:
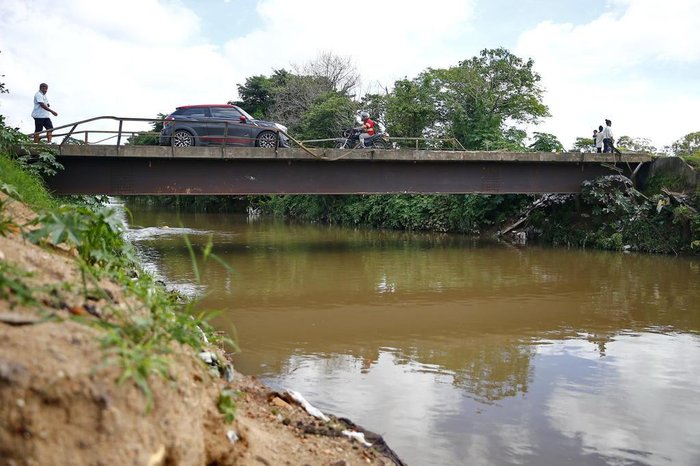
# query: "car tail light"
{"type": "Point", "coordinates": [168, 121]}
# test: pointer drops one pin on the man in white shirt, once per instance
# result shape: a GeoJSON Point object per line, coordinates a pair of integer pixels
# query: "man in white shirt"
{"type": "Point", "coordinates": [42, 113]}
{"type": "Point", "coordinates": [608, 138]}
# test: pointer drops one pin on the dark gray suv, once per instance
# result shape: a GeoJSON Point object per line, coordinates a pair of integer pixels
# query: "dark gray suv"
{"type": "Point", "coordinates": [201, 125]}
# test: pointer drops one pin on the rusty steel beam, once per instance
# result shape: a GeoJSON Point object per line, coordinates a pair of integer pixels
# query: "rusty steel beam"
{"type": "Point", "coordinates": [123, 176]}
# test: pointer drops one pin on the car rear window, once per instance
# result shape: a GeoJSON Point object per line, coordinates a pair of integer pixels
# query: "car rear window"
{"type": "Point", "coordinates": [192, 112]}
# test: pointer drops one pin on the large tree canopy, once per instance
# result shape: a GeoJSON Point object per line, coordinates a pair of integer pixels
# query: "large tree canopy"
{"type": "Point", "coordinates": [482, 96]}
{"type": "Point", "coordinates": [479, 102]}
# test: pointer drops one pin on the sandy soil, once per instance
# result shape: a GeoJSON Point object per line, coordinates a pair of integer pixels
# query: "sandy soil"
{"type": "Point", "coordinates": [60, 403]}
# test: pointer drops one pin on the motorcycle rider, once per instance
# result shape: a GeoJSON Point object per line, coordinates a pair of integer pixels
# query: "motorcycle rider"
{"type": "Point", "coordinates": [367, 128]}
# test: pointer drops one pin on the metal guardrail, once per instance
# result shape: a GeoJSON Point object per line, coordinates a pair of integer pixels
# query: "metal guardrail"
{"type": "Point", "coordinates": [122, 134]}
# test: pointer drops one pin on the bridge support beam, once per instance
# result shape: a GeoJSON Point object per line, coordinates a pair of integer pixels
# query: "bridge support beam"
{"type": "Point", "coordinates": [123, 176]}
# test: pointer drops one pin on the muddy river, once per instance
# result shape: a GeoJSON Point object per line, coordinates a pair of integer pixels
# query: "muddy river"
{"type": "Point", "coordinates": [457, 351]}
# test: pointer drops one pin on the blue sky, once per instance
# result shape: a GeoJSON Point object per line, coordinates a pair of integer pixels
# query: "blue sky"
{"type": "Point", "coordinates": [628, 60]}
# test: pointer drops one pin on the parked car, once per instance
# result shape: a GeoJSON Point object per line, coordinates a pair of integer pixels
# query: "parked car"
{"type": "Point", "coordinates": [201, 125]}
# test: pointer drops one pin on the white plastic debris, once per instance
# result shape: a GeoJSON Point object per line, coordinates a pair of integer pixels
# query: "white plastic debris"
{"type": "Point", "coordinates": [315, 412]}
{"type": "Point", "coordinates": [209, 357]}
{"type": "Point", "coordinates": [359, 436]}
{"type": "Point", "coordinates": [232, 436]}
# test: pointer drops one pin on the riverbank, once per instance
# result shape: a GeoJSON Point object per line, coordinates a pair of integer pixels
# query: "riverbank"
{"type": "Point", "coordinates": [100, 365]}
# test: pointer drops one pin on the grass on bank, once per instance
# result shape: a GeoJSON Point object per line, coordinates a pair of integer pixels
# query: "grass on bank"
{"type": "Point", "coordinates": [137, 341]}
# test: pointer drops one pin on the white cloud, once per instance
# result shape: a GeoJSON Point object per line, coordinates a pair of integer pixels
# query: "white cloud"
{"type": "Point", "coordinates": [611, 68]}
{"type": "Point", "coordinates": [387, 41]}
{"type": "Point", "coordinates": [131, 58]}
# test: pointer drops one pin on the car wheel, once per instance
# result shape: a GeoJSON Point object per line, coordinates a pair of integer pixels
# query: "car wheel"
{"type": "Point", "coordinates": [266, 139]}
{"type": "Point", "coordinates": [182, 138]}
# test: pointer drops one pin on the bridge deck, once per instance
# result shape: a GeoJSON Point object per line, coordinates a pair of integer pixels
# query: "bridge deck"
{"type": "Point", "coordinates": [154, 170]}
{"type": "Point", "coordinates": [256, 153]}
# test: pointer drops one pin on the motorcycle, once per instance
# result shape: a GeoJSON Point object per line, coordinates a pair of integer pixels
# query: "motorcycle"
{"type": "Point", "coordinates": [351, 139]}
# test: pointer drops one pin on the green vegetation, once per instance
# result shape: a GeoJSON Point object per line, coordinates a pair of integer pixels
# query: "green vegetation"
{"type": "Point", "coordinates": [470, 214]}
{"type": "Point", "coordinates": [227, 404]}
{"type": "Point", "coordinates": [611, 214]}
{"type": "Point", "coordinates": [138, 339]}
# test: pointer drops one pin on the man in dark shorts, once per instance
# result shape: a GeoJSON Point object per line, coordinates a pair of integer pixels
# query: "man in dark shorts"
{"type": "Point", "coordinates": [42, 113]}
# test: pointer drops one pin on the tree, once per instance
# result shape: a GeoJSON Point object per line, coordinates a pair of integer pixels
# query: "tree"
{"type": "Point", "coordinates": [479, 97]}
{"type": "Point", "coordinates": [258, 93]}
{"type": "Point", "coordinates": [339, 72]}
{"type": "Point", "coordinates": [687, 145]}
{"type": "Point", "coordinates": [326, 116]}
{"type": "Point", "coordinates": [584, 144]}
{"type": "Point", "coordinates": [629, 144]}
{"type": "Point", "coordinates": [411, 107]}
{"type": "Point", "coordinates": [546, 142]}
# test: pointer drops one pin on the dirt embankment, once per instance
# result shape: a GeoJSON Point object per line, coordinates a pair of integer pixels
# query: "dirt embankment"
{"type": "Point", "coordinates": [61, 402]}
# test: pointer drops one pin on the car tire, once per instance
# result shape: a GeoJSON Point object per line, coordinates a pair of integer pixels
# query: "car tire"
{"type": "Point", "coordinates": [183, 138]}
{"type": "Point", "coordinates": [266, 139]}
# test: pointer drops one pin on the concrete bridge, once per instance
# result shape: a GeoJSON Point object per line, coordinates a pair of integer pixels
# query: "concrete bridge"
{"type": "Point", "coordinates": [153, 170]}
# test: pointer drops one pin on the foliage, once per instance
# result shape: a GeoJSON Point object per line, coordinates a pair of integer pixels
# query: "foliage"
{"type": "Point", "coordinates": [687, 145]}
{"type": "Point", "coordinates": [258, 93]}
{"type": "Point", "coordinates": [584, 144]}
{"type": "Point", "coordinates": [693, 160]}
{"type": "Point", "coordinates": [478, 101]}
{"type": "Point", "coordinates": [471, 214]}
{"type": "Point", "coordinates": [323, 119]}
{"type": "Point", "coordinates": [481, 95]}
{"type": "Point", "coordinates": [7, 225]}
{"type": "Point", "coordinates": [29, 185]}
{"type": "Point", "coordinates": [13, 288]}
{"type": "Point", "coordinates": [13, 141]}
{"type": "Point", "coordinates": [629, 144]}
{"type": "Point", "coordinates": [227, 404]}
{"type": "Point", "coordinates": [546, 142]}
{"type": "Point", "coordinates": [611, 214]}
{"type": "Point", "coordinates": [411, 108]}
{"type": "Point", "coordinates": [97, 234]}
{"type": "Point", "coordinates": [149, 138]}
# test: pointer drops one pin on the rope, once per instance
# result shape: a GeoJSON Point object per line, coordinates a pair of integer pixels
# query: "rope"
{"type": "Point", "coordinates": [322, 156]}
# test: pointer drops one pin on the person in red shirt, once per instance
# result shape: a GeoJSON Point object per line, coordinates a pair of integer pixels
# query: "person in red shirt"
{"type": "Point", "coordinates": [367, 128]}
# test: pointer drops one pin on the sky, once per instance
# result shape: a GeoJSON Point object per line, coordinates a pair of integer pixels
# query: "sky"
{"type": "Point", "coordinates": [636, 62]}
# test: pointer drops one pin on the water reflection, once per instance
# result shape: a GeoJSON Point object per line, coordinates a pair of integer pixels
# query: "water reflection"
{"type": "Point", "coordinates": [461, 352]}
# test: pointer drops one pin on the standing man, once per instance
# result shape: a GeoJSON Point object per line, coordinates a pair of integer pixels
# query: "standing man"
{"type": "Point", "coordinates": [608, 138]}
{"type": "Point", "coordinates": [42, 113]}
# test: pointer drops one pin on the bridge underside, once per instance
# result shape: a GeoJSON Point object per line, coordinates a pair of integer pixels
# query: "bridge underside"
{"type": "Point", "coordinates": [125, 176]}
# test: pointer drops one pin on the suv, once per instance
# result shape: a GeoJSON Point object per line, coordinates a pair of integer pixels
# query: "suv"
{"type": "Point", "coordinates": [200, 125]}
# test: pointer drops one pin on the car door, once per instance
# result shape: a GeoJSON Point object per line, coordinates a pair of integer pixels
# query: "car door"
{"type": "Point", "coordinates": [233, 132]}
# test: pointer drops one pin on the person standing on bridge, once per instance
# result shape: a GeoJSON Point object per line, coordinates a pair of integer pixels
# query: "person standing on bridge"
{"type": "Point", "coordinates": [598, 139]}
{"type": "Point", "coordinates": [42, 113]}
{"type": "Point", "coordinates": [609, 139]}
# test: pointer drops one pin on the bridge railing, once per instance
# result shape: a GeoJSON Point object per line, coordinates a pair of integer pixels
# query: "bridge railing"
{"type": "Point", "coordinates": [78, 133]}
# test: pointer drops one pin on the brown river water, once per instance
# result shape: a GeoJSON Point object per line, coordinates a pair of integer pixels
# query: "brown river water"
{"type": "Point", "coordinates": [456, 351]}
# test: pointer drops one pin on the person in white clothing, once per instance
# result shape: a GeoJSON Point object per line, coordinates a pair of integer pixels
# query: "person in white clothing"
{"type": "Point", "coordinates": [598, 139]}
{"type": "Point", "coordinates": [609, 139]}
{"type": "Point", "coordinates": [42, 113]}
